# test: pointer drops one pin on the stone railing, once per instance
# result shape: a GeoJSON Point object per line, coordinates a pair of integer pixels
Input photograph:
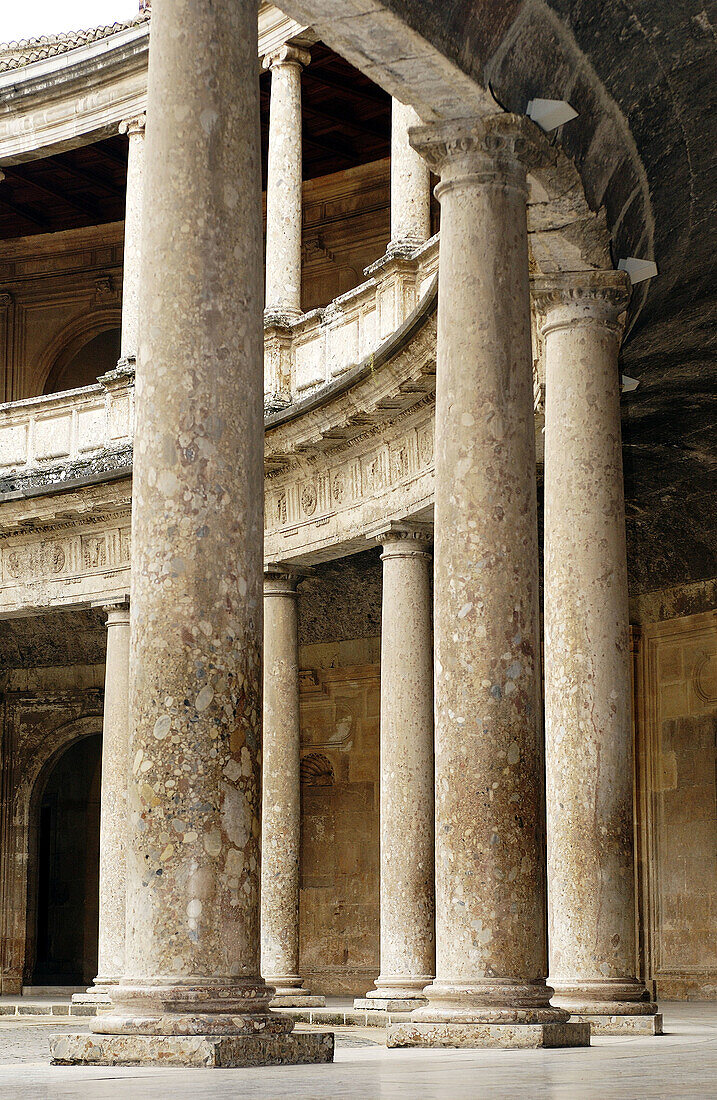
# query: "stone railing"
{"type": "Point", "coordinates": [66, 429]}
{"type": "Point", "coordinates": [326, 343]}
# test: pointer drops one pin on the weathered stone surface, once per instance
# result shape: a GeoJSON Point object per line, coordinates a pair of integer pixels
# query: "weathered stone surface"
{"type": "Point", "coordinates": [410, 183]}
{"type": "Point", "coordinates": [206, 1051]}
{"type": "Point", "coordinates": [406, 799]}
{"type": "Point", "coordinates": [192, 945]}
{"type": "Point", "coordinates": [513, 1035]}
{"type": "Point", "coordinates": [281, 794]}
{"type": "Point", "coordinates": [490, 854]}
{"type": "Point", "coordinates": [588, 735]}
{"type": "Point", "coordinates": [621, 1023]}
{"type": "Point", "coordinates": [283, 185]}
{"type": "Point", "coordinates": [113, 818]}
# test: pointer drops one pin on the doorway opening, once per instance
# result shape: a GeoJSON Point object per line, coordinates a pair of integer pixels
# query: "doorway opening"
{"type": "Point", "coordinates": [67, 868]}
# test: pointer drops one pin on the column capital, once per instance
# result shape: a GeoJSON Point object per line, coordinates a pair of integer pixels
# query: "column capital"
{"type": "Point", "coordinates": [286, 54]}
{"type": "Point", "coordinates": [496, 149]}
{"type": "Point", "coordinates": [117, 613]}
{"type": "Point", "coordinates": [284, 579]}
{"type": "Point", "coordinates": [134, 125]}
{"type": "Point", "coordinates": [403, 539]}
{"type": "Point", "coordinates": [581, 297]}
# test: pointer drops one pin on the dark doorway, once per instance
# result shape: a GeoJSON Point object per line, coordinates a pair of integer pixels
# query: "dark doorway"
{"type": "Point", "coordinates": [68, 868]}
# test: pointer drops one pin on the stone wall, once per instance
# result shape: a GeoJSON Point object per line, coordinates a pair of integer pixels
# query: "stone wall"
{"type": "Point", "coordinates": [677, 800]}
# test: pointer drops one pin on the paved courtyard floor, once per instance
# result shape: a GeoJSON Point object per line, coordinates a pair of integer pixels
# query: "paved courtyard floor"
{"type": "Point", "coordinates": [682, 1063]}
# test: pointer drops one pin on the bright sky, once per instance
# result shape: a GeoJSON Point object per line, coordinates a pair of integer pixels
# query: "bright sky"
{"type": "Point", "coordinates": [29, 18]}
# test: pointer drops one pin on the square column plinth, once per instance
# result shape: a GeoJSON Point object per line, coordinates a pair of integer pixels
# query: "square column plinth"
{"type": "Point", "coordinates": [621, 1023]}
{"type": "Point", "coordinates": [206, 1051]}
{"type": "Point", "coordinates": [510, 1035]}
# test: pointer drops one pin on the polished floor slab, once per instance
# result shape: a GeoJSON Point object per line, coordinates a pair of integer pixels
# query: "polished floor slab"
{"type": "Point", "coordinates": [679, 1064]}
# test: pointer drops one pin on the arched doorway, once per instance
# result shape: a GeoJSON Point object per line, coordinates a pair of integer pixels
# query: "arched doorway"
{"type": "Point", "coordinates": [67, 868]}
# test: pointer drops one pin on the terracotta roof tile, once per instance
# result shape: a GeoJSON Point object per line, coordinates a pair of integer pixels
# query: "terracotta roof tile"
{"type": "Point", "coordinates": [15, 55]}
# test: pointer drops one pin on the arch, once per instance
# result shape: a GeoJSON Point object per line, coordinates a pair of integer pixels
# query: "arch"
{"type": "Point", "coordinates": [19, 897]}
{"type": "Point", "coordinates": [65, 345]}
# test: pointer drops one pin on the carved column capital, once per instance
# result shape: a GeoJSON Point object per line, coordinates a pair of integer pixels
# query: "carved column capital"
{"type": "Point", "coordinates": [282, 579]}
{"type": "Point", "coordinates": [497, 149]}
{"type": "Point", "coordinates": [287, 54]}
{"type": "Point", "coordinates": [133, 126]}
{"type": "Point", "coordinates": [403, 539]}
{"type": "Point", "coordinates": [581, 297]}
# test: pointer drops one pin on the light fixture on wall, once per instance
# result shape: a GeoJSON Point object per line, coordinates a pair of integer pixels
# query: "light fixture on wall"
{"type": "Point", "coordinates": [638, 270]}
{"type": "Point", "coordinates": [550, 113]}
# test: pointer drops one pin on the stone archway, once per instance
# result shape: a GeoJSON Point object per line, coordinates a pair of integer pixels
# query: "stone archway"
{"type": "Point", "coordinates": [64, 875]}
{"type": "Point", "coordinates": [28, 777]}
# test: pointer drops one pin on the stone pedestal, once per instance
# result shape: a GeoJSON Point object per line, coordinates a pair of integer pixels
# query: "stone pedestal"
{"type": "Point", "coordinates": [129, 341]}
{"type": "Point", "coordinates": [491, 951]}
{"type": "Point", "coordinates": [284, 186]}
{"type": "Point", "coordinates": [407, 890]}
{"type": "Point", "coordinates": [410, 184]}
{"type": "Point", "coordinates": [192, 978]}
{"type": "Point", "coordinates": [588, 736]}
{"type": "Point", "coordinates": [113, 816]}
{"type": "Point", "coordinates": [281, 803]}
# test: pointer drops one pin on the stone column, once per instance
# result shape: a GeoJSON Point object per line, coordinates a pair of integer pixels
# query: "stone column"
{"type": "Point", "coordinates": [407, 891]}
{"type": "Point", "coordinates": [588, 734]}
{"type": "Point", "coordinates": [491, 951]}
{"type": "Point", "coordinates": [134, 129]}
{"type": "Point", "coordinates": [284, 186]}
{"type": "Point", "coordinates": [191, 993]}
{"type": "Point", "coordinates": [281, 802]}
{"type": "Point", "coordinates": [113, 810]}
{"type": "Point", "coordinates": [410, 184]}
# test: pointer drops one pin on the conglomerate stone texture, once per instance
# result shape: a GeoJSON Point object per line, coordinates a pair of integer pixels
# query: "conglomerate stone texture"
{"type": "Point", "coordinates": [192, 967]}
{"type": "Point", "coordinates": [490, 854]}
{"type": "Point", "coordinates": [588, 734]}
{"type": "Point", "coordinates": [406, 761]}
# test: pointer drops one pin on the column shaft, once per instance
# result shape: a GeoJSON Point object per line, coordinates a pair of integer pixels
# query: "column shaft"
{"type": "Point", "coordinates": [588, 735]}
{"type": "Point", "coordinates": [134, 128]}
{"type": "Point", "coordinates": [491, 951]}
{"type": "Point", "coordinates": [191, 992]}
{"type": "Point", "coordinates": [410, 183]}
{"type": "Point", "coordinates": [113, 811]}
{"type": "Point", "coordinates": [284, 186]}
{"type": "Point", "coordinates": [281, 805]}
{"type": "Point", "coordinates": [407, 802]}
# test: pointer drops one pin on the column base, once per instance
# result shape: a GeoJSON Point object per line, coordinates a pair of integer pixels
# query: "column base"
{"type": "Point", "coordinates": [206, 1051]}
{"type": "Point", "coordinates": [296, 998]}
{"type": "Point", "coordinates": [627, 1024]}
{"type": "Point", "coordinates": [514, 1036]}
{"type": "Point", "coordinates": [91, 997]}
{"type": "Point", "coordinates": [377, 1003]}
{"type": "Point", "coordinates": [290, 992]}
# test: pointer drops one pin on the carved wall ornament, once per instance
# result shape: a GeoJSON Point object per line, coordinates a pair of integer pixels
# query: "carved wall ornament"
{"type": "Point", "coordinates": [105, 291]}
{"type": "Point", "coordinates": [309, 498]}
{"type": "Point", "coordinates": [52, 558]}
{"type": "Point", "coordinates": [317, 770]}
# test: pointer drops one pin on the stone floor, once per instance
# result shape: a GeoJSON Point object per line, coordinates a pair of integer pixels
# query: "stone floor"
{"type": "Point", "coordinates": [682, 1063]}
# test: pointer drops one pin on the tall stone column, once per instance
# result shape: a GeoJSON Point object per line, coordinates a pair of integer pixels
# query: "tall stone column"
{"type": "Point", "coordinates": [191, 993]}
{"type": "Point", "coordinates": [410, 184]}
{"type": "Point", "coordinates": [588, 735]}
{"type": "Point", "coordinates": [281, 816]}
{"type": "Point", "coordinates": [129, 342]}
{"type": "Point", "coordinates": [407, 891]}
{"type": "Point", "coordinates": [284, 186]}
{"type": "Point", "coordinates": [491, 951]}
{"type": "Point", "coordinates": [113, 810]}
